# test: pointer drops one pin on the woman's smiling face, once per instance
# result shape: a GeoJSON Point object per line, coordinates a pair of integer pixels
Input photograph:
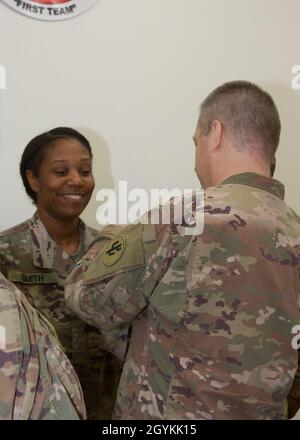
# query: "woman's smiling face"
{"type": "Point", "coordinates": [65, 181]}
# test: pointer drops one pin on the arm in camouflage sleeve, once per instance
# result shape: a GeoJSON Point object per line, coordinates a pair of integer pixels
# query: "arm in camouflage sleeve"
{"type": "Point", "coordinates": [36, 378]}
{"type": "Point", "coordinates": [3, 263]}
{"type": "Point", "coordinates": [294, 395]}
{"type": "Point", "coordinates": [10, 351]}
{"type": "Point", "coordinates": [113, 283]}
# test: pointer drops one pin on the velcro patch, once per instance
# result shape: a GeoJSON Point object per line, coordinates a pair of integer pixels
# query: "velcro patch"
{"type": "Point", "coordinates": [114, 250]}
{"type": "Point", "coordinates": [125, 251]}
{"type": "Point", "coordinates": [32, 278]}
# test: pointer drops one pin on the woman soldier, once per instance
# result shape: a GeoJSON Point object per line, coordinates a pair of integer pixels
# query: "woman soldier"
{"type": "Point", "coordinates": [38, 254]}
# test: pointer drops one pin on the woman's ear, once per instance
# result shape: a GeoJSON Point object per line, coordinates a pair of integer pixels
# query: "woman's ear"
{"type": "Point", "coordinates": [33, 181]}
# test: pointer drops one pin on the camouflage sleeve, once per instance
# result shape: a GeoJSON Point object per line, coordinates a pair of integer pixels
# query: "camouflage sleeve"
{"type": "Point", "coordinates": [37, 380]}
{"type": "Point", "coordinates": [294, 395]}
{"type": "Point", "coordinates": [293, 399]}
{"type": "Point", "coordinates": [113, 283]}
{"type": "Point", "coordinates": [3, 262]}
{"type": "Point", "coordinates": [10, 351]}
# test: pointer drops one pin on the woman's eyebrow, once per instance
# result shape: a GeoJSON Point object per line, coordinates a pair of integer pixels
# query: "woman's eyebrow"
{"type": "Point", "coordinates": [85, 159]}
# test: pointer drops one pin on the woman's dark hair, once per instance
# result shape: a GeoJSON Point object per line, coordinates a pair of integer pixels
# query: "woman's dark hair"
{"type": "Point", "coordinates": [33, 154]}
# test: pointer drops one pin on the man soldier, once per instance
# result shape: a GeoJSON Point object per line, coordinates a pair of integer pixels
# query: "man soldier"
{"type": "Point", "coordinates": [212, 315]}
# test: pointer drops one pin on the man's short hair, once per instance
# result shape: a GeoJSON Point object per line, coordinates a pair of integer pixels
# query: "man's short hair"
{"type": "Point", "coordinates": [247, 112]}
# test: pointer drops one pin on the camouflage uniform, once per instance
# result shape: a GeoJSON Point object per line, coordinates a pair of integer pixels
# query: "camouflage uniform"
{"type": "Point", "coordinates": [212, 315]}
{"type": "Point", "coordinates": [37, 380]}
{"type": "Point", "coordinates": [34, 262]}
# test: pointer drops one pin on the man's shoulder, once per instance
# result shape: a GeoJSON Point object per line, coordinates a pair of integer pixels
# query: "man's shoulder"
{"type": "Point", "coordinates": [294, 216]}
{"type": "Point", "coordinates": [232, 198]}
{"type": "Point", "coordinates": [238, 193]}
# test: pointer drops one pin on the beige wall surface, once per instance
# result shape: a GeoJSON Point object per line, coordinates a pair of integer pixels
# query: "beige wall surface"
{"type": "Point", "coordinates": [130, 74]}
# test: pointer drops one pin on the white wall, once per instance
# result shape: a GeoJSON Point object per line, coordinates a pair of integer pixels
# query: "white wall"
{"type": "Point", "coordinates": [131, 74]}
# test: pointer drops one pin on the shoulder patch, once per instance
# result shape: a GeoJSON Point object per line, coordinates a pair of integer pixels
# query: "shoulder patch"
{"type": "Point", "coordinates": [114, 250]}
{"type": "Point", "coordinates": [124, 252]}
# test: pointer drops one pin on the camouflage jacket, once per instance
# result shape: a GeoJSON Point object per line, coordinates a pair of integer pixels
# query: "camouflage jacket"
{"type": "Point", "coordinates": [33, 261]}
{"type": "Point", "coordinates": [212, 315]}
{"type": "Point", "coordinates": [37, 380]}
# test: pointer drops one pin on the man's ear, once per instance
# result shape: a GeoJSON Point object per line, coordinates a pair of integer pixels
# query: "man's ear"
{"type": "Point", "coordinates": [33, 181]}
{"type": "Point", "coordinates": [273, 166]}
{"type": "Point", "coordinates": [215, 135]}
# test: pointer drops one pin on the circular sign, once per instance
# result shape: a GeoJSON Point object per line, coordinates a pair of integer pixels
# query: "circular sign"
{"type": "Point", "coordinates": [50, 10]}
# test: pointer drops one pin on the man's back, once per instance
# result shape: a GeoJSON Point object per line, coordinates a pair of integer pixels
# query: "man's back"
{"type": "Point", "coordinates": [216, 339]}
{"type": "Point", "coordinates": [212, 315]}
{"type": "Point", "coordinates": [37, 380]}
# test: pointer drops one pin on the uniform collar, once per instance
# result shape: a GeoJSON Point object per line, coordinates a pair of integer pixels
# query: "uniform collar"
{"type": "Point", "coordinates": [45, 251]}
{"type": "Point", "coordinates": [273, 186]}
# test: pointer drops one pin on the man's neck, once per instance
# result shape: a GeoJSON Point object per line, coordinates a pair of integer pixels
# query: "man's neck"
{"type": "Point", "coordinates": [225, 173]}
